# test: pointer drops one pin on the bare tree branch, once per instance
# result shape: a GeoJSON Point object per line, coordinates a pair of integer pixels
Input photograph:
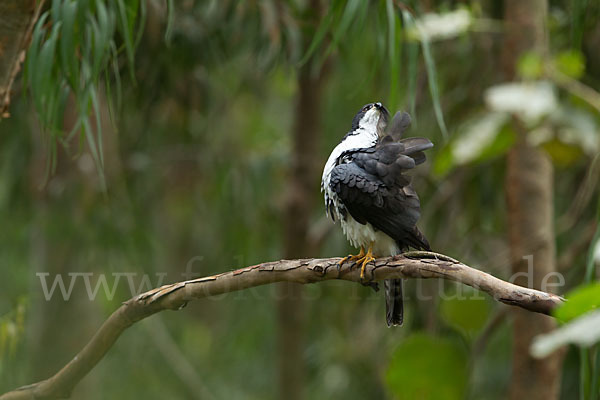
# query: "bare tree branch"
{"type": "Point", "coordinates": [417, 264]}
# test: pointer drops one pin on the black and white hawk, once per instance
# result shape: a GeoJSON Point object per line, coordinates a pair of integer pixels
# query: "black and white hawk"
{"type": "Point", "coordinates": [367, 191]}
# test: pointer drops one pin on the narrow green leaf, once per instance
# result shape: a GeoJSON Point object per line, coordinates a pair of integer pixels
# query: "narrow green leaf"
{"type": "Point", "coordinates": [352, 6]}
{"type": "Point", "coordinates": [61, 105]}
{"type": "Point", "coordinates": [55, 10]}
{"type": "Point", "coordinates": [432, 78]}
{"type": "Point", "coordinates": [76, 128]}
{"type": "Point", "coordinates": [433, 87]}
{"type": "Point", "coordinates": [361, 16]}
{"type": "Point", "coordinates": [109, 99]}
{"type": "Point", "coordinates": [83, 9]}
{"type": "Point", "coordinates": [170, 19]}
{"type": "Point", "coordinates": [595, 372]}
{"type": "Point", "coordinates": [36, 39]}
{"type": "Point", "coordinates": [393, 57]}
{"type": "Point", "coordinates": [579, 14]}
{"type": "Point", "coordinates": [127, 36]}
{"type": "Point", "coordinates": [97, 50]}
{"type": "Point", "coordinates": [103, 30]}
{"type": "Point", "coordinates": [33, 53]}
{"type": "Point", "coordinates": [583, 373]}
{"type": "Point", "coordinates": [142, 23]}
{"type": "Point", "coordinates": [87, 130]}
{"type": "Point", "coordinates": [43, 80]}
{"type": "Point", "coordinates": [324, 27]}
{"type": "Point", "coordinates": [98, 118]}
{"type": "Point", "coordinates": [86, 50]}
{"type": "Point", "coordinates": [104, 22]}
{"type": "Point", "coordinates": [116, 73]}
{"type": "Point", "coordinates": [131, 7]}
{"type": "Point", "coordinates": [591, 261]}
{"type": "Point", "coordinates": [68, 44]}
{"type": "Point", "coordinates": [412, 75]}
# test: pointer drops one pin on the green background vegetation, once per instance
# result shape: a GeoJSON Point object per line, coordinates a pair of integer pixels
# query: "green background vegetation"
{"type": "Point", "coordinates": [184, 163]}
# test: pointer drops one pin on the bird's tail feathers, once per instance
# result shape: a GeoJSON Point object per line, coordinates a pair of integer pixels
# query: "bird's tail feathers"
{"type": "Point", "coordinates": [394, 303]}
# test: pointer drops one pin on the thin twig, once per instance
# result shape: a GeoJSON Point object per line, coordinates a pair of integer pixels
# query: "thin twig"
{"type": "Point", "coordinates": [573, 86]}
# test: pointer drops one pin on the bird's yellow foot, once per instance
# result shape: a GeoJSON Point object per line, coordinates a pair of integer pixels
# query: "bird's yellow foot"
{"type": "Point", "coordinates": [357, 257]}
{"type": "Point", "coordinates": [365, 260]}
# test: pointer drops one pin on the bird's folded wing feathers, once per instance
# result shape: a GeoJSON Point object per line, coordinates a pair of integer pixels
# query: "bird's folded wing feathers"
{"type": "Point", "coordinates": [399, 124]}
{"type": "Point", "coordinates": [373, 187]}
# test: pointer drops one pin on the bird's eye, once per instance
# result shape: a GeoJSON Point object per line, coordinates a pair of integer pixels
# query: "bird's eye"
{"type": "Point", "coordinates": [365, 108]}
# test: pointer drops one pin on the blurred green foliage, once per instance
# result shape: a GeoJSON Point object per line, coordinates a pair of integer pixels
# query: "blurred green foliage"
{"type": "Point", "coordinates": [466, 312]}
{"type": "Point", "coordinates": [579, 301]}
{"type": "Point", "coordinates": [571, 63]}
{"type": "Point", "coordinates": [427, 367]}
{"type": "Point", "coordinates": [189, 107]}
{"type": "Point", "coordinates": [73, 46]}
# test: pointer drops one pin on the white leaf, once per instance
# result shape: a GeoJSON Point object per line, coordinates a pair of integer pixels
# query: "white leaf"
{"type": "Point", "coordinates": [583, 331]}
{"type": "Point", "coordinates": [433, 26]}
{"type": "Point", "coordinates": [477, 136]}
{"type": "Point", "coordinates": [530, 101]}
{"type": "Point", "coordinates": [578, 128]}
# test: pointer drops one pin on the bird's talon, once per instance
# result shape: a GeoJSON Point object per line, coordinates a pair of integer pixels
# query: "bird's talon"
{"type": "Point", "coordinates": [366, 260]}
{"type": "Point", "coordinates": [351, 257]}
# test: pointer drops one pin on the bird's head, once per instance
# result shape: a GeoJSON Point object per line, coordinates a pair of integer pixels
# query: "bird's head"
{"type": "Point", "coordinates": [371, 117]}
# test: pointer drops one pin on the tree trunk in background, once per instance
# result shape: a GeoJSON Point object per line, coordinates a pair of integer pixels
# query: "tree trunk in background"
{"type": "Point", "coordinates": [304, 182]}
{"type": "Point", "coordinates": [529, 191]}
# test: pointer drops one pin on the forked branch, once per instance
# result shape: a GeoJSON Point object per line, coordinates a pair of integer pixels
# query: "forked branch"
{"type": "Point", "coordinates": [420, 264]}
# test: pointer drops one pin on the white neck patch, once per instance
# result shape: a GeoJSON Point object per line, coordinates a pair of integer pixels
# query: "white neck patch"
{"type": "Point", "coordinates": [370, 120]}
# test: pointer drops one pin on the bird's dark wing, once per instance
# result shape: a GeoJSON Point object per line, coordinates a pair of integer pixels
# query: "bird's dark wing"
{"type": "Point", "coordinates": [372, 185]}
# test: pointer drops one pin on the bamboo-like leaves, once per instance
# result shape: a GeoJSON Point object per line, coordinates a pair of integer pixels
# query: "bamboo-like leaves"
{"type": "Point", "coordinates": [348, 16]}
{"type": "Point", "coordinates": [74, 45]}
{"type": "Point", "coordinates": [324, 28]}
{"type": "Point", "coordinates": [341, 15]}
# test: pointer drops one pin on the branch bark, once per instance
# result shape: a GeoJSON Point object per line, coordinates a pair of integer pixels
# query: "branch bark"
{"type": "Point", "coordinates": [175, 296]}
{"type": "Point", "coordinates": [17, 18]}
